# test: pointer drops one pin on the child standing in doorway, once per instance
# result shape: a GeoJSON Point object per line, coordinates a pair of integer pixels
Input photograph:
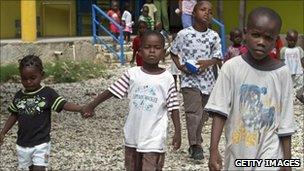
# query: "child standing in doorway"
{"type": "Point", "coordinates": [152, 95]}
{"type": "Point", "coordinates": [32, 108]}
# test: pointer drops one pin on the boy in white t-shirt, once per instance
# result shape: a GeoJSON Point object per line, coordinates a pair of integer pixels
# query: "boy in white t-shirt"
{"type": "Point", "coordinates": [152, 95]}
{"type": "Point", "coordinates": [253, 98]}
{"type": "Point", "coordinates": [293, 57]}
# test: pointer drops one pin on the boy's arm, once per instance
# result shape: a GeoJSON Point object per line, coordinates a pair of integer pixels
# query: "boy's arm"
{"type": "Point", "coordinates": [209, 62]}
{"type": "Point", "coordinates": [72, 107]}
{"type": "Point", "coordinates": [286, 145]}
{"type": "Point", "coordinates": [88, 109]}
{"type": "Point", "coordinates": [177, 127]}
{"type": "Point", "coordinates": [218, 122]}
{"type": "Point", "coordinates": [8, 125]}
{"type": "Point", "coordinates": [175, 59]}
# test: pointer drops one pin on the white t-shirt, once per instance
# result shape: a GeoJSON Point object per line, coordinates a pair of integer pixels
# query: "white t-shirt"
{"type": "Point", "coordinates": [259, 109]}
{"type": "Point", "coordinates": [151, 97]}
{"type": "Point", "coordinates": [292, 58]}
{"type": "Point", "coordinates": [127, 17]}
{"type": "Point", "coordinates": [187, 6]}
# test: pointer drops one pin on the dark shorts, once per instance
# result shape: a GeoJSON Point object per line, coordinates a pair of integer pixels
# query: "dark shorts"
{"type": "Point", "coordinates": [136, 161]}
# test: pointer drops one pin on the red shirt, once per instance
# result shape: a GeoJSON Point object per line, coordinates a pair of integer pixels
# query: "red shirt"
{"type": "Point", "coordinates": [275, 52]}
{"type": "Point", "coordinates": [116, 17]}
{"type": "Point", "coordinates": [136, 47]}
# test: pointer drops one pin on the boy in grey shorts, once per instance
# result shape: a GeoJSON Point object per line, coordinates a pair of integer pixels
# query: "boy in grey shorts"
{"type": "Point", "coordinates": [201, 44]}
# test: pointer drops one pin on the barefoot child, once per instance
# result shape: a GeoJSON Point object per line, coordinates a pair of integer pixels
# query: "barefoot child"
{"type": "Point", "coordinates": [253, 98]}
{"type": "Point", "coordinates": [152, 96]}
{"type": "Point", "coordinates": [32, 108]}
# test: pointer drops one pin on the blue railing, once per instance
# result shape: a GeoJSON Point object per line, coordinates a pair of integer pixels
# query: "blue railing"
{"type": "Point", "coordinates": [97, 11]}
{"type": "Point", "coordinates": [222, 34]}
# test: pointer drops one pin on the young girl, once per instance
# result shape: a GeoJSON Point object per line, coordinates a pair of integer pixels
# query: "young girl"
{"type": "Point", "coordinates": [152, 95]}
{"type": "Point", "coordinates": [127, 22]}
{"type": "Point", "coordinates": [237, 48]}
{"type": "Point", "coordinates": [146, 18]}
{"type": "Point", "coordinates": [142, 27]}
{"type": "Point", "coordinates": [114, 13]}
{"type": "Point", "coordinates": [32, 107]}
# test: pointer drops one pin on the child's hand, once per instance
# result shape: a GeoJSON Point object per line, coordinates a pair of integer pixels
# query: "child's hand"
{"type": "Point", "coordinates": [184, 69]}
{"type": "Point", "coordinates": [203, 64]}
{"type": "Point", "coordinates": [1, 139]}
{"type": "Point", "coordinates": [87, 111]}
{"type": "Point", "coordinates": [176, 140]}
{"type": "Point", "coordinates": [215, 160]}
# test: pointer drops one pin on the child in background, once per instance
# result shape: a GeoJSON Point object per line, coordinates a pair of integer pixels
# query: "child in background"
{"type": "Point", "coordinates": [253, 98]}
{"type": "Point", "coordinates": [201, 44]}
{"type": "Point", "coordinates": [114, 13]}
{"type": "Point", "coordinates": [142, 28]}
{"type": "Point", "coordinates": [152, 11]}
{"type": "Point", "coordinates": [127, 22]}
{"type": "Point", "coordinates": [237, 48]}
{"type": "Point", "coordinates": [152, 95]}
{"type": "Point", "coordinates": [32, 107]}
{"type": "Point", "coordinates": [275, 52]}
{"type": "Point", "coordinates": [293, 57]}
{"type": "Point", "coordinates": [146, 18]}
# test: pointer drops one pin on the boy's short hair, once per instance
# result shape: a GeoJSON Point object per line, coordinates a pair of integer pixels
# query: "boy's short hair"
{"type": "Point", "coordinates": [155, 33]}
{"type": "Point", "coordinates": [30, 61]}
{"type": "Point", "coordinates": [292, 31]}
{"type": "Point", "coordinates": [264, 11]}
{"type": "Point", "coordinates": [199, 3]}
{"type": "Point", "coordinates": [234, 30]}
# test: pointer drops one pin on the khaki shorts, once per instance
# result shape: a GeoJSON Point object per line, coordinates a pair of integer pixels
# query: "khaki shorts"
{"type": "Point", "coordinates": [136, 161]}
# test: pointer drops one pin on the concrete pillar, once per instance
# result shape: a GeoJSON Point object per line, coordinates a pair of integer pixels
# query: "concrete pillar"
{"type": "Point", "coordinates": [28, 20]}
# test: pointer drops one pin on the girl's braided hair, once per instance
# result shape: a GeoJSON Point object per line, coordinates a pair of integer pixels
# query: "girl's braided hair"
{"type": "Point", "coordinates": [30, 61]}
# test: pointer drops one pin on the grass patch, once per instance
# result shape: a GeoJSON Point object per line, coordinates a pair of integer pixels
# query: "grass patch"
{"type": "Point", "coordinates": [9, 72]}
{"type": "Point", "coordinates": [59, 71]}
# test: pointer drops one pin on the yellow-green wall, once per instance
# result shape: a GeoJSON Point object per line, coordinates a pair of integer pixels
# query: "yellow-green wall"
{"type": "Point", "coordinates": [56, 18]}
{"type": "Point", "coordinates": [291, 11]}
{"type": "Point", "coordinates": [9, 12]}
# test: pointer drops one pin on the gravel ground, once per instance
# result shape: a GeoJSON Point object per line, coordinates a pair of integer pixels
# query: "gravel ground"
{"type": "Point", "coordinates": [97, 143]}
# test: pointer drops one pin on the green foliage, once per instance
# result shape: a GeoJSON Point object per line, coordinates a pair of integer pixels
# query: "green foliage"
{"type": "Point", "coordinates": [59, 71]}
{"type": "Point", "coordinates": [9, 72]}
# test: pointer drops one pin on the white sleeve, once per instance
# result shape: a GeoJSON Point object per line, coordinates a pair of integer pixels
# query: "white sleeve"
{"type": "Point", "coordinates": [221, 96]}
{"type": "Point", "coordinates": [121, 86]}
{"type": "Point", "coordinates": [176, 44]}
{"type": "Point", "coordinates": [216, 49]}
{"type": "Point", "coordinates": [172, 100]}
{"type": "Point", "coordinates": [287, 125]}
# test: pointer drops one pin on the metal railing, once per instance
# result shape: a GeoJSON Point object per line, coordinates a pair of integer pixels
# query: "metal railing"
{"type": "Point", "coordinates": [96, 11]}
{"type": "Point", "coordinates": [222, 34]}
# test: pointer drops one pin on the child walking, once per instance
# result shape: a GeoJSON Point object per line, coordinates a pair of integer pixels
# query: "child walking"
{"type": "Point", "coordinates": [146, 18]}
{"type": "Point", "coordinates": [32, 108]}
{"type": "Point", "coordinates": [142, 27]}
{"type": "Point", "coordinates": [237, 48]}
{"type": "Point", "coordinates": [201, 44]}
{"type": "Point", "coordinates": [114, 13]}
{"type": "Point", "coordinates": [253, 98]}
{"type": "Point", "coordinates": [127, 22]}
{"type": "Point", "coordinates": [152, 95]}
{"type": "Point", "coordinates": [293, 57]}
